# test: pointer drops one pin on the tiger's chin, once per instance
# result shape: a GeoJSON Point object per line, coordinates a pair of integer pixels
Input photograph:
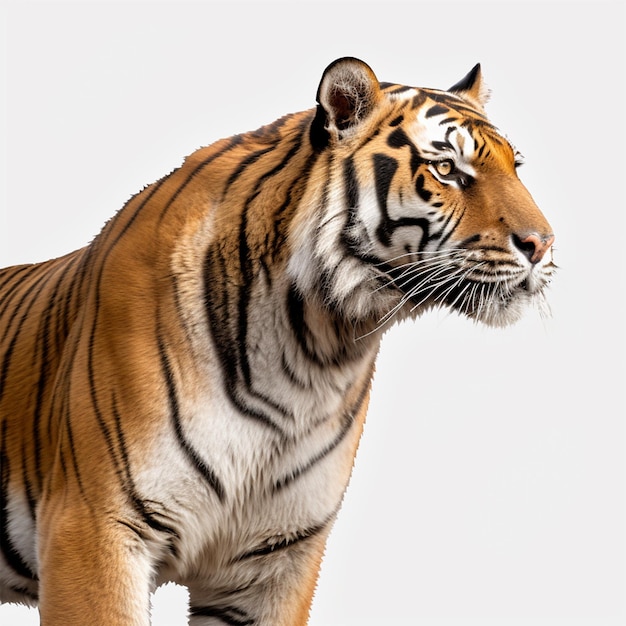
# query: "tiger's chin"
{"type": "Point", "coordinates": [503, 308]}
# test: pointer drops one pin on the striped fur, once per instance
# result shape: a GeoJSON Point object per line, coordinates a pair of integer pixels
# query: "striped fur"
{"type": "Point", "coordinates": [183, 398]}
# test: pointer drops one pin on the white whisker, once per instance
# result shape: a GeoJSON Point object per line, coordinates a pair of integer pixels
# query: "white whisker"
{"type": "Point", "coordinates": [454, 279]}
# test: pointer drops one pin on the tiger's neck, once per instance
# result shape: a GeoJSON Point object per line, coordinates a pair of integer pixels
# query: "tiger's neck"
{"type": "Point", "coordinates": [287, 360]}
{"type": "Point", "coordinates": [281, 352]}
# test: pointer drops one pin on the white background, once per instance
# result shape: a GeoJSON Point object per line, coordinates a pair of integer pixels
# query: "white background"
{"type": "Point", "coordinates": [489, 488]}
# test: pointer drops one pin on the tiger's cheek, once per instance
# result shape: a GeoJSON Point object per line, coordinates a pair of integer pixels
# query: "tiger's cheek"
{"type": "Point", "coordinates": [401, 222]}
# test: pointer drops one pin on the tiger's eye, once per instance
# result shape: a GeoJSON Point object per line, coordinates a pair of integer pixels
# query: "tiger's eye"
{"type": "Point", "coordinates": [444, 168]}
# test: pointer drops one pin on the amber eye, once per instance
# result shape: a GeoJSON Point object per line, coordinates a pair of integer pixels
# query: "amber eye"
{"type": "Point", "coordinates": [444, 168]}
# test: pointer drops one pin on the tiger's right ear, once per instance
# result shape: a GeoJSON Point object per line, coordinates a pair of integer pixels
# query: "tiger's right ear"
{"type": "Point", "coordinates": [347, 94]}
{"type": "Point", "coordinates": [472, 87]}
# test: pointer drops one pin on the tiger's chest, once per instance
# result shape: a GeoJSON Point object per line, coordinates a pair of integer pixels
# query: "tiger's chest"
{"type": "Point", "coordinates": [240, 484]}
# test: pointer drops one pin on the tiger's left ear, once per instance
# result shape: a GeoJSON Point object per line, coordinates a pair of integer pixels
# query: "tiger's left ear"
{"type": "Point", "coordinates": [348, 93]}
{"type": "Point", "coordinates": [472, 87]}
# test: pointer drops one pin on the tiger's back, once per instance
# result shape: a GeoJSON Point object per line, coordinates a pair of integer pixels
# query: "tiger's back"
{"type": "Point", "coordinates": [183, 398]}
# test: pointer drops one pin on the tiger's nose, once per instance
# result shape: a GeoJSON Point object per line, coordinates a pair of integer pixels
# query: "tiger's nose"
{"type": "Point", "coordinates": [534, 246]}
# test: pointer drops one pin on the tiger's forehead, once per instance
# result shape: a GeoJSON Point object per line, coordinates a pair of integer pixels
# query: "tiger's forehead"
{"type": "Point", "coordinates": [434, 100]}
{"type": "Point", "coordinates": [438, 134]}
{"type": "Point", "coordinates": [443, 125]}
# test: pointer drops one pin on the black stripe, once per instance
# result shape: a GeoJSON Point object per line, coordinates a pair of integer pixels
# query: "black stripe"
{"type": "Point", "coordinates": [456, 103]}
{"type": "Point", "coordinates": [118, 452]}
{"type": "Point", "coordinates": [348, 421]}
{"type": "Point", "coordinates": [441, 145]}
{"type": "Point", "coordinates": [351, 186]}
{"type": "Point", "coordinates": [30, 491]}
{"type": "Point", "coordinates": [230, 332]}
{"type": "Point", "coordinates": [11, 555]}
{"type": "Point", "coordinates": [394, 89]}
{"type": "Point", "coordinates": [285, 481]}
{"type": "Point", "coordinates": [15, 289]}
{"type": "Point", "coordinates": [418, 100]}
{"type": "Point", "coordinates": [275, 246]}
{"type": "Point", "coordinates": [251, 159]}
{"type": "Point", "coordinates": [351, 235]}
{"type": "Point", "coordinates": [436, 109]}
{"type": "Point", "coordinates": [22, 591]}
{"type": "Point", "coordinates": [344, 348]}
{"type": "Point", "coordinates": [443, 228]}
{"type": "Point", "coordinates": [217, 304]}
{"type": "Point", "coordinates": [11, 276]}
{"type": "Point", "coordinates": [229, 614]}
{"type": "Point", "coordinates": [247, 267]}
{"type": "Point", "coordinates": [319, 137]}
{"type": "Point", "coordinates": [22, 308]}
{"type": "Point", "coordinates": [273, 128]}
{"type": "Point", "coordinates": [422, 192]}
{"type": "Point", "coordinates": [128, 483]}
{"type": "Point", "coordinates": [100, 247]}
{"type": "Point", "coordinates": [398, 139]}
{"type": "Point", "coordinates": [30, 280]}
{"type": "Point", "coordinates": [286, 542]}
{"type": "Point", "coordinates": [384, 170]}
{"type": "Point", "coordinates": [61, 410]}
{"type": "Point", "coordinates": [71, 449]}
{"type": "Point", "coordinates": [292, 376]}
{"type": "Point", "coordinates": [232, 143]}
{"type": "Point", "coordinates": [92, 379]}
{"type": "Point", "coordinates": [49, 357]}
{"type": "Point", "coordinates": [198, 463]}
{"type": "Point", "coordinates": [299, 327]}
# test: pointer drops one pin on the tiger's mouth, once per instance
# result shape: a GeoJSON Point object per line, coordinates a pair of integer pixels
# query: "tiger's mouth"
{"type": "Point", "coordinates": [482, 296]}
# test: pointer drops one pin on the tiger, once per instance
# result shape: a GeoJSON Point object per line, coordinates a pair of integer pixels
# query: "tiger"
{"type": "Point", "coordinates": [182, 398]}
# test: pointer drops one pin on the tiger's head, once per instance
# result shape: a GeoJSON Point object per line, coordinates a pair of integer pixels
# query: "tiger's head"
{"type": "Point", "coordinates": [419, 205]}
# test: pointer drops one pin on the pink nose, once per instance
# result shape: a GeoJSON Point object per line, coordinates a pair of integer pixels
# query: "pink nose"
{"type": "Point", "coordinates": [534, 246]}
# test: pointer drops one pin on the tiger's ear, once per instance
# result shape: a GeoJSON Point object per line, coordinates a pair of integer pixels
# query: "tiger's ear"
{"type": "Point", "coordinates": [347, 94]}
{"type": "Point", "coordinates": [472, 87]}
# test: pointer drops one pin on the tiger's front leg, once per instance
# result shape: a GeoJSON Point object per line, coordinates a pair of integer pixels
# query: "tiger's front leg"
{"type": "Point", "coordinates": [272, 589]}
{"type": "Point", "coordinates": [95, 569]}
